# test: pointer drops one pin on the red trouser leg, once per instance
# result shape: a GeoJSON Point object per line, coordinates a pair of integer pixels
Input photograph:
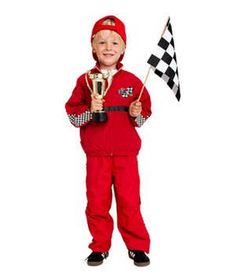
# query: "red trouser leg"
{"type": "Point", "coordinates": [127, 192]}
{"type": "Point", "coordinates": [101, 173]}
{"type": "Point", "coordinates": [99, 199]}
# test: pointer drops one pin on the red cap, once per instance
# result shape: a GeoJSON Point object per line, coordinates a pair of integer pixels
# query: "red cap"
{"type": "Point", "coordinates": [118, 27]}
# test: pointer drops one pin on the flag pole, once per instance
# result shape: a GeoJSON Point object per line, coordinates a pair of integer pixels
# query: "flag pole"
{"type": "Point", "coordinates": [145, 80]}
{"type": "Point", "coordinates": [147, 75]}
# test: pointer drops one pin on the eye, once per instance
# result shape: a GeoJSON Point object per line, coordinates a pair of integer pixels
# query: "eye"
{"type": "Point", "coordinates": [101, 43]}
{"type": "Point", "coordinates": [115, 43]}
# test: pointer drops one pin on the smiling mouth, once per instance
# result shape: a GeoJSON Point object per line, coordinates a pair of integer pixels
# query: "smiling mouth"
{"type": "Point", "coordinates": [108, 54]}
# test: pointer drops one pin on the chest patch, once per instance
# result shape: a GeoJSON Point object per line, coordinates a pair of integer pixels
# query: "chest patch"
{"type": "Point", "coordinates": [125, 92]}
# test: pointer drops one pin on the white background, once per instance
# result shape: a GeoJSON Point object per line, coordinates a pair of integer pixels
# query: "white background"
{"type": "Point", "coordinates": [187, 157]}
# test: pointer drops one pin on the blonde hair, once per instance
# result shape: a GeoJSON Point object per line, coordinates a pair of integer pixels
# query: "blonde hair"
{"type": "Point", "coordinates": [108, 21]}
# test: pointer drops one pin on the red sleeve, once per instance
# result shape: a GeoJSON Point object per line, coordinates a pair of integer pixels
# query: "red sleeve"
{"type": "Point", "coordinates": [78, 105]}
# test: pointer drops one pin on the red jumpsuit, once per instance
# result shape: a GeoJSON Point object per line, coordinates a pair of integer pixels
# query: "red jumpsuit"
{"type": "Point", "coordinates": [111, 149]}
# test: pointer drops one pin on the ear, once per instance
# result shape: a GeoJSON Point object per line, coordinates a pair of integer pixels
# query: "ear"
{"type": "Point", "coordinates": [123, 50]}
{"type": "Point", "coordinates": [93, 46]}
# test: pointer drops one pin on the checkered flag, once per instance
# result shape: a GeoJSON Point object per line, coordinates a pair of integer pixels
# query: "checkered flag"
{"type": "Point", "coordinates": [164, 61]}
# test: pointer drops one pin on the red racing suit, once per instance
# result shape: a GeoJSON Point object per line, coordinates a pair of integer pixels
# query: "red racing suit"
{"type": "Point", "coordinates": [111, 148]}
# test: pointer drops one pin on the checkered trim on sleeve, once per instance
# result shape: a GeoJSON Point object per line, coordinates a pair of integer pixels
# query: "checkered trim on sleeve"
{"type": "Point", "coordinates": [79, 120]}
{"type": "Point", "coordinates": [140, 120]}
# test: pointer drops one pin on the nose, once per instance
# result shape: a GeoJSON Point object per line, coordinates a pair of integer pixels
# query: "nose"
{"type": "Point", "coordinates": [108, 46]}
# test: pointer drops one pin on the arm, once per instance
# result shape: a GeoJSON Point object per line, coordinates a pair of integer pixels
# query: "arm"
{"type": "Point", "coordinates": [78, 105]}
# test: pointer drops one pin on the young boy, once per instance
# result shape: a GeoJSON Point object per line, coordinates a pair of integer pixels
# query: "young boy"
{"type": "Point", "coordinates": [112, 145]}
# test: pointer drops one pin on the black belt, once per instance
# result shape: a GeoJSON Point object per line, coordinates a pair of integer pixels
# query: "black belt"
{"type": "Point", "coordinates": [116, 108]}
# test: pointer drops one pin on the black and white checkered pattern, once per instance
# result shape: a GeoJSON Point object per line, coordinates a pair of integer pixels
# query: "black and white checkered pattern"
{"type": "Point", "coordinates": [79, 120]}
{"type": "Point", "coordinates": [164, 60]}
{"type": "Point", "coordinates": [140, 120]}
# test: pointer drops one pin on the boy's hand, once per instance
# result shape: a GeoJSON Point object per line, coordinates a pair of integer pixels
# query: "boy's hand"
{"type": "Point", "coordinates": [135, 108]}
{"type": "Point", "coordinates": [96, 102]}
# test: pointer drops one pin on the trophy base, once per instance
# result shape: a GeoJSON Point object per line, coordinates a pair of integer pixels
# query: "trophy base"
{"type": "Point", "coordinates": [99, 117]}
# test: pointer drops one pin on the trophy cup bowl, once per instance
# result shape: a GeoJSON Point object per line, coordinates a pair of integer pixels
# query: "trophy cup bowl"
{"type": "Point", "coordinates": [99, 88]}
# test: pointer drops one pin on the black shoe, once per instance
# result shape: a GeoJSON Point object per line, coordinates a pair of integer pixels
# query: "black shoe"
{"type": "Point", "coordinates": [139, 257]}
{"type": "Point", "coordinates": [96, 258]}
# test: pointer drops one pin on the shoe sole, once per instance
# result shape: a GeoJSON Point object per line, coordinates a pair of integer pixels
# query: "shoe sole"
{"type": "Point", "coordinates": [142, 264]}
{"type": "Point", "coordinates": [94, 263]}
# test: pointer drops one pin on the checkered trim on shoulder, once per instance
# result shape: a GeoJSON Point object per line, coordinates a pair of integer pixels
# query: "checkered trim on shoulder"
{"type": "Point", "coordinates": [140, 120]}
{"type": "Point", "coordinates": [79, 120]}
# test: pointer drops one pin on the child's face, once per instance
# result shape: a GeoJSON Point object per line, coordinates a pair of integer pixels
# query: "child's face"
{"type": "Point", "coordinates": [108, 47]}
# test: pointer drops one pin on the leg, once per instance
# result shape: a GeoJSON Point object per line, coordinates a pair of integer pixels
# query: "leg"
{"type": "Point", "coordinates": [99, 199]}
{"type": "Point", "coordinates": [127, 192]}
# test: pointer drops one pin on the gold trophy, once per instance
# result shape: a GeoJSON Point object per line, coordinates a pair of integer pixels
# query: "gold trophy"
{"type": "Point", "coordinates": [98, 84]}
